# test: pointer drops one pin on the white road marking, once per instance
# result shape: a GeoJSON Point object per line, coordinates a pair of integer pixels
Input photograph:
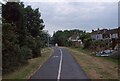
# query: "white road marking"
{"type": "Point", "coordinates": [55, 56]}
{"type": "Point", "coordinates": [60, 66]}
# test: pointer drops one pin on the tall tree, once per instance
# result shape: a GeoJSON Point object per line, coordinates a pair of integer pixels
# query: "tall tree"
{"type": "Point", "coordinates": [22, 31]}
{"type": "Point", "coordinates": [61, 37]}
{"type": "Point", "coordinates": [34, 25]}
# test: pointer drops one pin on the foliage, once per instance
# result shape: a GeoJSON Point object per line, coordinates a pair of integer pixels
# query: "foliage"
{"type": "Point", "coordinates": [22, 35]}
{"type": "Point", "coordinates": [61, 37]}
{"type": "Point", "coordinates": [86, 39]}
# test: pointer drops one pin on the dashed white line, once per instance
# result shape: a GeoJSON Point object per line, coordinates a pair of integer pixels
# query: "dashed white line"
{"type": "Point", "coordinates": [60, 66]}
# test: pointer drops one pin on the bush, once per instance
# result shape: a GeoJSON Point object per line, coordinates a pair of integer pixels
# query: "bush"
{"type": "Point", "coordinates": [26, 53]}
{"type": "Point", "coordinates": [115, 55]}
{"type": "Point", "coordinates": [21, 35]}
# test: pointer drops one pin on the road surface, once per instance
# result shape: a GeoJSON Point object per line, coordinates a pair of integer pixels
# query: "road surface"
{"type": "Point", "coordinates": [61, 65]}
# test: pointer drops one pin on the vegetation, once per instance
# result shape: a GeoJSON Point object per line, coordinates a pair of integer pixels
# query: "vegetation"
{"type": "Point", "coordinates": [86, 39]}
{"type": "Point", "coordinates": [26, 71]}
{"type": "Point", "coordinates": [61, 37]}
{"type": "Point", "coordinates": [22, 35]}
{"type": "Point", "coordinates": [94, 67]}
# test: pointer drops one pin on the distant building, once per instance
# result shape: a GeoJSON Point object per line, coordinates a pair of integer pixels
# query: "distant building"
{"type": "Point", "coordinates": [109, 36]}
{"type": "Point", "coordinates": [98, 34]}
{"type": "Point", "coordinates": [75, 39]}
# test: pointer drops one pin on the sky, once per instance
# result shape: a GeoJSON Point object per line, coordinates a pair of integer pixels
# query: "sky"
{"type": "Point", "coordinates": [77, 14]}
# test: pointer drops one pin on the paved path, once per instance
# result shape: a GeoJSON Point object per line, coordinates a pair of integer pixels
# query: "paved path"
{"type": "Point", "coordinates": [61, 65]}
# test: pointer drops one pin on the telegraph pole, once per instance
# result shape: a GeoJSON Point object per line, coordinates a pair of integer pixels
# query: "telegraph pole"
{"type": "Point", "coordinates": [48, 38]}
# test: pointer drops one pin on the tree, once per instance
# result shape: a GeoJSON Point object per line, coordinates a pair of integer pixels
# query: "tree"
{"type": "Point", "coordinates": [45, 37]}
{"type": "Point", "coordinates": [86, 39]}
{"type": "Point", "coordinates": [34, 26]}
{"type": "Point", "coordinates": [58, 37]}
{"type": "Point", "coordinates": [61, 37]}
{"type": "Point", "coordinates": [22, 31]}
{"type": "Point", "coordinates": [17, 18]}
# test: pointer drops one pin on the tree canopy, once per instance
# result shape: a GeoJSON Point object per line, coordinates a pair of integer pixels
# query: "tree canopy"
{"type": "Point", "coordinates": [22, 35]}
{"type": "Point", "coordinates": [61, 37]}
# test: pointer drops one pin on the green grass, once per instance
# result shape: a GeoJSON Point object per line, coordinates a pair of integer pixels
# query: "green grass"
{"type": "Point", "coordinates": [95, 67]}
{"type": "Point", "coordinates": [26, 71]}
{"type": "Point", "coordinates": [82, 50]}
{"type": "Point", "coordinates": [86, 51]}
{"type": "Point", "coordinates": [110, 59]}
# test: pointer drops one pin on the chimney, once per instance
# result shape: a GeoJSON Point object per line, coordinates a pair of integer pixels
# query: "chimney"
{"type": "Point", "coordinates": [98, 29]}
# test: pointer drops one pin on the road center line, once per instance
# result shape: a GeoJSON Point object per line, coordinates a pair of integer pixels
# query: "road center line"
{"type": "Point", "coordinates": [60, 66]}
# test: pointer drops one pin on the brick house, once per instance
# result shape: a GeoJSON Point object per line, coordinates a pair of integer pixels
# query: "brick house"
{"type": "Point", "coordinates": [108, 36]}
{"type": "Point", "coordinates": [98, 34]}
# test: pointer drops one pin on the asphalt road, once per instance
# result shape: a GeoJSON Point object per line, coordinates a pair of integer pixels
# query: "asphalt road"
{"type": "Point", "coordinates": [61, 65]}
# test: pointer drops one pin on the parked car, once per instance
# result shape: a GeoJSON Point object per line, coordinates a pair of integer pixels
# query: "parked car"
{"type": "Point", "coordinates": [104, 53]}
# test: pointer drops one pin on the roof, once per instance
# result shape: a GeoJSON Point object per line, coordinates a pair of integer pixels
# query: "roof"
{"type": "Point", "coordinates": [99, 31]}
{"type": "Point", "coordinates": [113, 31]}
{"type": "Point", "coordinates": [106, 31]}
{"type": "Point", "coordinates": [74, 37]}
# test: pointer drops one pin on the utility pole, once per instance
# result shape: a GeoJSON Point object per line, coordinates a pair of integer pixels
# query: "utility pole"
{"type": "Point", "coordinates": [0, 40]}
{"type": "Point", "coordinates": [48, 38]}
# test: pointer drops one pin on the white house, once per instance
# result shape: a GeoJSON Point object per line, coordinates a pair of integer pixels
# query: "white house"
{"type": "Point", "coordinates": [111, 35]}
{"type": "Point", "coordinates": [75, 39]}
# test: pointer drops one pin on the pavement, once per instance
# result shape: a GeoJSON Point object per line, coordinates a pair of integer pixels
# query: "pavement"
{"type": "Point", "coordinates": [60, 66]}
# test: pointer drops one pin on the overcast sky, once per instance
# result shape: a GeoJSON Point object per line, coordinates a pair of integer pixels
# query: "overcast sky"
{"type": "Point", "coordinates": [78, 14]}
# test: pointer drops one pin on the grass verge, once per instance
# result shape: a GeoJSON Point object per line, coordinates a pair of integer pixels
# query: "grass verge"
{"type": "Point", "coordinates": [26, 71]}
{"type": "Point", "coordinates": [86, 51]}
{"type": "Point", "coordinates": [95, 67]}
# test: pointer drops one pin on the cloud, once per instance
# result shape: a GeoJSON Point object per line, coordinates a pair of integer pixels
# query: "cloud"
{"type": "Point", "coordinates": [81, 15]}
{"type": "Point", "coordinates": [70, 0]}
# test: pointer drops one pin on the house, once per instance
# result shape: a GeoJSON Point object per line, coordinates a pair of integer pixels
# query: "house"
{"type": "Point", "coordinates": [114, 37]}
{"type": "Point", "coordinates": [76, 42]}
{"type": "Point", "coordinates": [119, 33]}
{"type": "Point", "coordinates": [105, 34]}
{"type": "Point", "coordinates": [110, 36]}
{"type": "Point", "coordinates": [98, 34]}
